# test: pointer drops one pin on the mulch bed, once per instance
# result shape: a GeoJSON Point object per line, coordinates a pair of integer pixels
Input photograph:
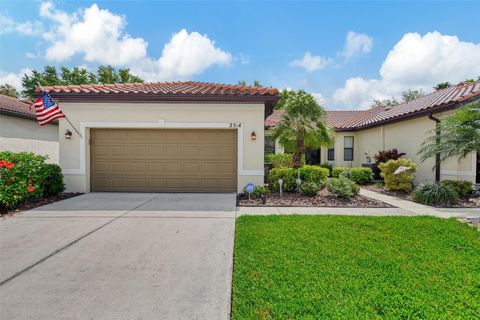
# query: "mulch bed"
{"type": "Point", "coordinates": [322, 199]}
{"type": "Point", "coordinates": [39, 202]}
{"type": "Point", "coordinates": [472, 202]}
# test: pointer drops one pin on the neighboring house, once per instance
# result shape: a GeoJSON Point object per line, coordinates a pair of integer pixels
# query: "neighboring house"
{"type": "Point", "coordinates": [20, 131]}
{"type": "Point", "coordinates": [360, 134]}
{"type": "Point", "coordinates": [163, 137]}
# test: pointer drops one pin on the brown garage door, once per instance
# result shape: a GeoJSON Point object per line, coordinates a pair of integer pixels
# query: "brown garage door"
{"type": "Point", "coordinates": [163, 160]}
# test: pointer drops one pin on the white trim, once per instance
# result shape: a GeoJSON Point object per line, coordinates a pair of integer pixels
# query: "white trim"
{"type": "Point", "coordinates": [162, 124]}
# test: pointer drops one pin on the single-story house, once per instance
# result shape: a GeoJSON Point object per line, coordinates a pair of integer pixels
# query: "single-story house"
{"type": "Point", "coordinates": [360, 134]}
{"type": "Point", "coordinates": [20, 131]}
{"type": "Point", "coordinates": [162, 137]}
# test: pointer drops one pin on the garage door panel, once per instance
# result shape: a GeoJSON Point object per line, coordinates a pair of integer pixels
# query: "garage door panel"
{"type": "Point", "coordinates": [164, 160]}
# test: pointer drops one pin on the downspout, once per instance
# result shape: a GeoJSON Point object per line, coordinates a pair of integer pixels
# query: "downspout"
{"type": "Point", "coordinates": [437, 141]}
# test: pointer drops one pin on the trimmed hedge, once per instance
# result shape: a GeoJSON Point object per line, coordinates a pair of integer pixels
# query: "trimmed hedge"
{"type": "Point", "coordinates": [337, 171]}
{"type": "Point", "coordinates": [25, 176]}
{"type": "Point", "coordinates": [329, 166]}
{"type": "Point", "coordinates": [402, 181]}
{"type": "Point", "coordinates": [315, 174]}
{"type": "Point", "coordinates": [360, 175]}
{"type": "Point", "coordinates": [342, 187]}
{"type": "Point", "coordinates": [288, 175]}
{"type": "Point", "coordinates": [432, 193]}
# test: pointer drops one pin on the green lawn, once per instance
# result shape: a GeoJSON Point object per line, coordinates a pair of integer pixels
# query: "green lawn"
{"type": "Point", "coordinates": [338, 267]}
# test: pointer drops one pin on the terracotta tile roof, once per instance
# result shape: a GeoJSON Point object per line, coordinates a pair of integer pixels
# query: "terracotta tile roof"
{"type": "Point", "coordinates": [333, 117]}
{"type": "Point", "coordinates": [354, 120]}
{"type": "Point", "coordinates": [165, 88]}
{"type": "Point", "coordinates": [14, 106]}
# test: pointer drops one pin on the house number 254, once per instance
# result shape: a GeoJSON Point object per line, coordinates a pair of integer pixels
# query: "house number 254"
{"type": "Point", "coordinates": [235, 125]}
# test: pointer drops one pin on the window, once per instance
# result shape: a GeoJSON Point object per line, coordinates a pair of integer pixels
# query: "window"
{"type": "Point", "coordinates": [331, 154]}
{"type": "Point", "coordinates": [269, 144]}
{"type": "Point", "coordinates": [348, 148]}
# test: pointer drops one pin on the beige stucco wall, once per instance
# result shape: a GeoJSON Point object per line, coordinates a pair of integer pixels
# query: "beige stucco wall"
{"type": "Point", "coordinates": [406, 136]}
{"type": "Point", "coordinates": [161, 115]}
{"type": "Point", "coordinates": [20, 134]}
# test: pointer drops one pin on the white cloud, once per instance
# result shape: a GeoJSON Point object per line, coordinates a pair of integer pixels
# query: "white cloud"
{"type": "Point", "coordinates": [311, 63]}
{"type": "Point", "coordinates": [14, 79]}
{"type": "Point", "coordinates": [185, 55]}
{"type": "Point", "coordinates": [96, 33]}
{"type": "Point", "coordinates": [319, 97]}
{"type": "Point", "coordinates": [30, 55]}
{"type": "Point", "coordinates": [8, 25]}
{"type": "Point", "coordinates": [415, 62]}
{"type": "Point", "coordinates": [99, 36]}
{"type": "Point", "coordinates": [357, 43]}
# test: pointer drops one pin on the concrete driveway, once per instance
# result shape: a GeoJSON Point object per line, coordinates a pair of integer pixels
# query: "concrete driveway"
{"type": "Point", "coordinates": [119, 256]}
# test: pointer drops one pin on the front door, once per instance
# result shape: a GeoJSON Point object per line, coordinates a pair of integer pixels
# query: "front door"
{"type": "Point", "coordinates": [312, 156]}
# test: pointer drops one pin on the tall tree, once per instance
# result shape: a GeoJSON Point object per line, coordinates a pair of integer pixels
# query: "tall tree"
{"type": "Point", "coordinates": [255, 83]}
{"type": "Point", "coordinates": [442, 85]}
{"type": "Point", "coordinates": [385, 102]}
{"type": "Point", "coordinates": [457, 135]}
{"type": "Point", "coordinates": [50, 76]}
{"type": "Point", "coordinates": [410, 94]}
{"type": "Point", "coordinates": [303, 125]}
{"type": "Point", "coordinates": [9, 90]}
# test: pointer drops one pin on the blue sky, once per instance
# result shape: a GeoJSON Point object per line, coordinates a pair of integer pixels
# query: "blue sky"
{"type": "Point", "coordinates": [346, 53]}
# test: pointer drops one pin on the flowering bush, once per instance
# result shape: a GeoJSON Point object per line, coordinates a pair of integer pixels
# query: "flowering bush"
{"type": "Point", "coordinates": [25, 176]}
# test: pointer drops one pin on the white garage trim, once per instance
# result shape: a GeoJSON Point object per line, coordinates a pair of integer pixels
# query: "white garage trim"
{"type": "Point", "coordinates": [162, 124]}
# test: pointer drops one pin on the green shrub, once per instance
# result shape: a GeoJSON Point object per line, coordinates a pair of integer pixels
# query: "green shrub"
{"type": "Point", "coordinates": [309, 189]}
{"type": "Point", "coordinates": [22, 177]}
{"type": "Point", "coordinates": [360, 175]}
{"type": "Point", "coordinates": [342, 187]}
{"type": "Point", "coordinates": [337, 171]}
{"type": "Point", "coordinates": [288, 175]}
{"type": "Point", "coordinates": [52, 184]}
{"type": "Point", "coordinates": [260, 191]}
{"type": "Point", "coordinates": [432, 193]}
{"type": "Point", "coordinates": [281, 160]}
{"type": "Point", "coordinates": [463, 187]}
{"type": "Point", "coordinates": [328, 166]}
{"type": "Point", "coordinates": [315, 174]}
{"type": "Point", "coordinates": [402, 181]}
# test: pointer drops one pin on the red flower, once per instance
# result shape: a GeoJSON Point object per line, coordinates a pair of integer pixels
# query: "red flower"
{"type": "Point", "coordinates": [2, 163]}
{"type": "Point", "coordinates": [9, 165]}
{"type": "Point", "coordinates": [30, 188]}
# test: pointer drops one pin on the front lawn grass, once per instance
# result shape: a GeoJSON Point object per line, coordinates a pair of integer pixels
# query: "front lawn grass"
{"type": "Point", "coordinates": [340, 267]}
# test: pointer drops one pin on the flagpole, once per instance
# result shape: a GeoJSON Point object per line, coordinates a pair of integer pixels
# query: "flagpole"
{"type": "Point", "coordinates": [72, 125]}
{"type": "Point", "coordinates": [64, 115]}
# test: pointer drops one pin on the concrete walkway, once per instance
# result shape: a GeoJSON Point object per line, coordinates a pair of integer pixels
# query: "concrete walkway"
{"type": "Point", "coordinates": [402, 208]}
{"type": "Point", "coordinates": [116, 256]}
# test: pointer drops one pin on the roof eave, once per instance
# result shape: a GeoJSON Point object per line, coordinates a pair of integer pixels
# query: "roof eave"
{"type": "Point", "coordinates": [140, 97]}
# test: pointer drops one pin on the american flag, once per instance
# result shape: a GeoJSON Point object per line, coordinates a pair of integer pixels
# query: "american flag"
{"type": "Point", "coordinates": [46, 109]}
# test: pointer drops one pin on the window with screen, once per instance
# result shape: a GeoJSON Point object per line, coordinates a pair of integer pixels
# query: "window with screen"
{"type": "Point", "coordinates": [348, 149]}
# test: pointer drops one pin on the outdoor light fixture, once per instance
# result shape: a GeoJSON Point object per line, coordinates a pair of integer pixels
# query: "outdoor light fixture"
{"type": "Point", "coordinates": [68, 134]}
{"type": "Point", "coordinates": [253, 136]}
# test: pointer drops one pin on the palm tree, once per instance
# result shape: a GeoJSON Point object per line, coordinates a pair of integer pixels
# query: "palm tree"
{"type": "Point", "coordinates": [457, 135]}
{"type": "Point", "coordinates": [303, 125]}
